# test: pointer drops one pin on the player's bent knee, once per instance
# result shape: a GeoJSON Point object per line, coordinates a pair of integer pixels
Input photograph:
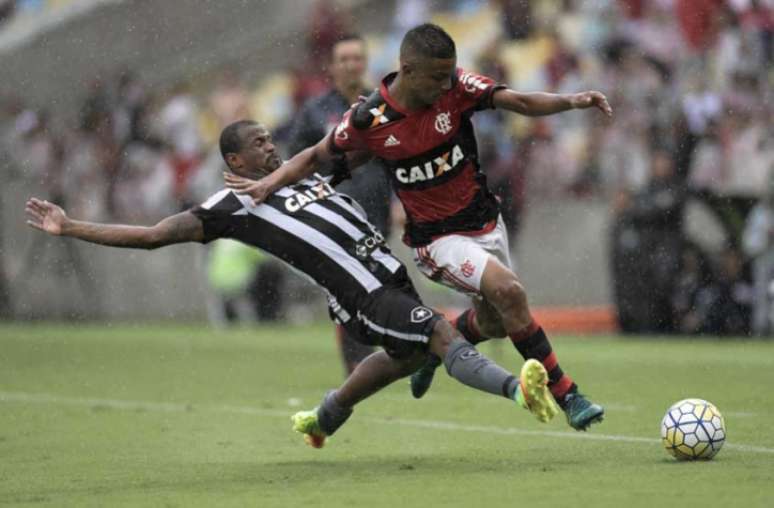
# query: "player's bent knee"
{"type": "Point", "coordinates": [510, 295]}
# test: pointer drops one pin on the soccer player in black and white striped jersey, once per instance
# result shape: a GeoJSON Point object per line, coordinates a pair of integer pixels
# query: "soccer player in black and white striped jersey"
{"type": "Point", "coordinates": [325, 235]}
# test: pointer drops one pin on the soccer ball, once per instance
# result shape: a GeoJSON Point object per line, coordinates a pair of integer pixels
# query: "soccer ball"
{"type": "Point", "coordinates": [693, 429]}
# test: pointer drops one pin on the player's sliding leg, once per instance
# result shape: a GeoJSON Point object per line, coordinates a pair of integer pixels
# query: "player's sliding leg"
{"type": "Point", "coordinates": [462, 361]}
{"type": "Point", "coordinates": [467, 365]}
{"type": "Point", "coordinates": [371, 375]}
{"type": "Point", "coordinates": [501, 287]}
{"type": "Point", "coordinates": [467, 325]}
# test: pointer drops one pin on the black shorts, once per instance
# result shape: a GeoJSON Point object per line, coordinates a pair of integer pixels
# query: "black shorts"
{"type": "Point", "coordinates": [394, 318]}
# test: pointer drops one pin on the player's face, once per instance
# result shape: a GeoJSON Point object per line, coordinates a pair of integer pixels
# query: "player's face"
{"type": "Point", "coordinates": [258, 155]}
{"type": "Point", "coordinates": [348, 62]}
{"type": "Point", "coordinates": [429, 78]}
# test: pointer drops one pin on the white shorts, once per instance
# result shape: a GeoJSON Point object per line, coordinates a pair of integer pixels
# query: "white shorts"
{"type": "Point", "coordinates": [458, 261]}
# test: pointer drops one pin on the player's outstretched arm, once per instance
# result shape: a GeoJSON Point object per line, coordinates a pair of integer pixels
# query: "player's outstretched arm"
{"type": "Point", "coordinates": [300, 166]}
{"type": "Point", "coordinates": [541, 103]}
{"type": "Point", "coordinates": [297, 168]}
{"type": "Point", "coordinates": [52, 219]}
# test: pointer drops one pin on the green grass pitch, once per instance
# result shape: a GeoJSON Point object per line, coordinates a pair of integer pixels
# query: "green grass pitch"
{"type": "Point", "coordinates": [185, 416]}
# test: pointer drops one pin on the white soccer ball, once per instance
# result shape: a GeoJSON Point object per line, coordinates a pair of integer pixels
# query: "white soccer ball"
{"type": "Point", "coordinates": [693, 429]}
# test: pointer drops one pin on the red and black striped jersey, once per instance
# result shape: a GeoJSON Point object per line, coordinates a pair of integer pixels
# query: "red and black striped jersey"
{"type": "Point", "coordinates": [431, 156]}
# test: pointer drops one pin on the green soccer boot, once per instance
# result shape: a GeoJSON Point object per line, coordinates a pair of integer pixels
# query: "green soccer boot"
{"type": "Point", "coordinates": [581, 412]}
{"type": "Point", "coordinates": [423, 378]}
{"type": "Point", "coordinates": [306, 423]}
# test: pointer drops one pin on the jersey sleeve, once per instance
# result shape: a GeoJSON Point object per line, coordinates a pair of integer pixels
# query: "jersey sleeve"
{"type": "Point", "coordinates": [218, 215]}
{"type": "Point", "coordinates": [476, 91]}
{"type": "Point", "coordinates": [346, 137]}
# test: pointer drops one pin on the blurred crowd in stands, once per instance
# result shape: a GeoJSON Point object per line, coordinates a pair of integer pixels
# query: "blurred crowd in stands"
{"type": "Point", "coordinates": [690, 82]}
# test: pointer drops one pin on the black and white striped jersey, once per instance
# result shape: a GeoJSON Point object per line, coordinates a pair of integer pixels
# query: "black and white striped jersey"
{"type": "Point", "coordinates": [316, 230]}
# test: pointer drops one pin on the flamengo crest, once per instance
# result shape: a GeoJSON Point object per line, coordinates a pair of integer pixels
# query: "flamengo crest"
{"type": "Point", "coordinates": [443, 123]}
{"type": "Point", "coordinates": [467, 268]}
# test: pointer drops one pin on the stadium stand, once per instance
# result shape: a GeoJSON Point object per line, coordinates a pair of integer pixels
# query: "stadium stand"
{"type": "Point", "coordinates": [688, 90]}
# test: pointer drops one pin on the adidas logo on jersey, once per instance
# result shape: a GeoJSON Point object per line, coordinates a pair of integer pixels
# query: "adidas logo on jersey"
{"type": "Point", "coordinates": [431, 169]}
{"type": "Point", "coordinates": [391, 141]}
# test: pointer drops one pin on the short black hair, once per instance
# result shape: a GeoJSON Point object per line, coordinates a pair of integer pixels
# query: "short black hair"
{"type": "Point", "coordinates": [428, 40]}
{"type": "Point", "coordinates": [230, 138]}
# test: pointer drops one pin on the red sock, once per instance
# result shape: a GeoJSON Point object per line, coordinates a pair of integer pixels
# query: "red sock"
{"type": "Point", "coordinates": [532, 342]}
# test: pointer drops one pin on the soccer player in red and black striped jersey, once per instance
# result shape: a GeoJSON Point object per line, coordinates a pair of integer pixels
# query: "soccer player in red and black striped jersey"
{"type": "Point", "coordinates": [418, 124]}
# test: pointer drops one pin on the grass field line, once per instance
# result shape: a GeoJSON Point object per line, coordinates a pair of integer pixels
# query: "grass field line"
{"type": "Point", "coordinates": [142, 406]}
{"type": "Point", "coordinates": [609, 406]}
